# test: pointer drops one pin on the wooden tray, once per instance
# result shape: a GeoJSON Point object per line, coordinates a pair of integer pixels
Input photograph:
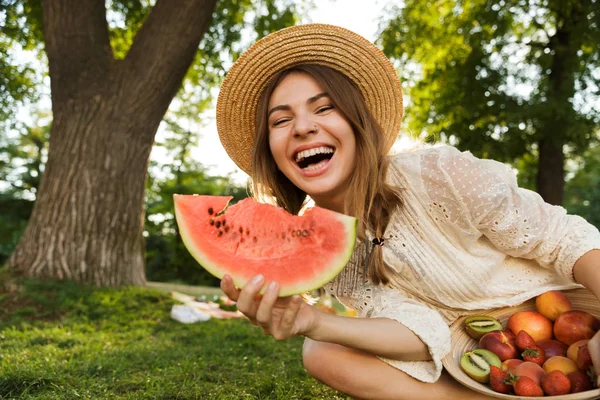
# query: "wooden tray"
{"type": "Point", "coordinates": [461, 342]}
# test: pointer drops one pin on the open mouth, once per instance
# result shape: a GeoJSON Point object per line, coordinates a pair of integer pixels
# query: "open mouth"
{"type": "Point", "coordinates": [314, 158]}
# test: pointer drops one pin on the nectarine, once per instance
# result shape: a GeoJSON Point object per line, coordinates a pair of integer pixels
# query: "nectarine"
{"type": "Point", "coordinates": [532, 322]}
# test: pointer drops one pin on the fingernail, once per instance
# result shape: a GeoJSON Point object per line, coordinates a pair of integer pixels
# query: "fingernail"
{"type": "Point", "coordinates": [258, 279]}
{"type": "Point", "coordinates": [273, 286]}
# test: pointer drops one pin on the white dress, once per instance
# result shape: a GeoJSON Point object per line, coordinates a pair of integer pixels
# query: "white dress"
{"type": "Point", "coordinates": [466, 239]}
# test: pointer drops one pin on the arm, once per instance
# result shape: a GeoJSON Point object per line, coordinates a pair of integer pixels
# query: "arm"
{"type": "Point", "coordinates": [400, 332]}
{"type": "Point", "coordinates": [517, 221]}
{"type": "Point", "coordinates": [380, 336]}
{"type": "Point", "coordinates": [587, 272]}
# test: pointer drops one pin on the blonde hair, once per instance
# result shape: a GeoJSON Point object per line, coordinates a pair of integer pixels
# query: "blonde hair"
{"type": "Point", "coordinates": [374, 200]}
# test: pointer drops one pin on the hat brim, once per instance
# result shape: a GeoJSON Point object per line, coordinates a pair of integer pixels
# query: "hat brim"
{"type": "Point", "coordinates": [328, 45]}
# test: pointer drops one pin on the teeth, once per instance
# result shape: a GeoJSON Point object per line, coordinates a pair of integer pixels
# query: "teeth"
{"type": "Point", "coordinates": [311, 152]}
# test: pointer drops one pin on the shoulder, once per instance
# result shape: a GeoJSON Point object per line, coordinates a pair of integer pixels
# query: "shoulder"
{"type": "Point", "coordinates": [447, 160]}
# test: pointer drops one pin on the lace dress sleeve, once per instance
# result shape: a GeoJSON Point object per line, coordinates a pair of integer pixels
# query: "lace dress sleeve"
{"type": "Point", "coordinates": [516, 220]}
{"type": "Point", "coordinates": [375, 301]}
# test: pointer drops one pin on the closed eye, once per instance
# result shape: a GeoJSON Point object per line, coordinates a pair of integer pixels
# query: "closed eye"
{"type": "Point", "coordinates": [280, 121]}
{"type": "Point", "coordinates": [324, 109]}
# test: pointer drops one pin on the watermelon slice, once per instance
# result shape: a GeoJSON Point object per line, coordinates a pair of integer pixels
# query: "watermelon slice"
{"type": "Point", "coordinates": [300, 253]}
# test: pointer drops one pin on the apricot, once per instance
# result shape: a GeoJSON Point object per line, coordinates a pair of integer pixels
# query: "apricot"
{"type": "Point", "coordinates": [575, 325]}
{"type": "Point", "coordinates": [552, 303]}
{"type": "Point", "coordinates": [532, 322]}
{"type": "Point", "coordinates": [531, 370]}
{"type": "Point", "coordinates": [559, 363]}
{"type": "Point", "coordinates": [552, 347]}
{"type": "Point", "coordinates": [501, 343]}
{"type": "Point", "coordinates": [574, 348]}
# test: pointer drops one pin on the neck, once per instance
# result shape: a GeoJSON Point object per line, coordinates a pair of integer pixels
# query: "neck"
{"type": "Point", "coordinates": [335, 203]}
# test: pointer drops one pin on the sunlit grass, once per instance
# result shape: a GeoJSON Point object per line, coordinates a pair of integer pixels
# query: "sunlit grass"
{"type": "Point", "coordinates": [69, 341]}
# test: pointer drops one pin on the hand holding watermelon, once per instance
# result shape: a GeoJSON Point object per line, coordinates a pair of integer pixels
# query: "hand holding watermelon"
{"type": "Point", "coordinates": [280, 317]}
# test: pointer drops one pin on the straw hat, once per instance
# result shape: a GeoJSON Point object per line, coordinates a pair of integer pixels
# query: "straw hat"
{"type": "Point", "coordinates": [328, 45]}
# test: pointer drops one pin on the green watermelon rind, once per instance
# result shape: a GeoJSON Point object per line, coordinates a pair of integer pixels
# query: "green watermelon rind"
{"type": "Point", "coordinates": [350, 223]}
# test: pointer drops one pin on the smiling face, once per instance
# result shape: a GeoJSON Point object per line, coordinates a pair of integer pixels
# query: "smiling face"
{"type": "Point", "coordinates": [312, 143]}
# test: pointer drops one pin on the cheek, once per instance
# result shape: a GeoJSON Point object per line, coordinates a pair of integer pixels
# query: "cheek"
{"type": "Point", "coordinates": [278, 148]}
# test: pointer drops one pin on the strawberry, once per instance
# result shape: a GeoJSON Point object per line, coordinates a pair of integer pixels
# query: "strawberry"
{"type": "Point", "coordinates": [534, 354]}
{"type": "Point", "coordinates": [580, 382]}
{"type": "Point", "coordinates": [524, 340]}
{"type": "Point", "coordinates": [525, 386]}
{"type": "Point", "coordinates": [555, 383]}
{"type": "Point", "coordinates": [500, 381]}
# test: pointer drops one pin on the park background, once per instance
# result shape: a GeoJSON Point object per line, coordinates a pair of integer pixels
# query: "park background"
{"type": "Point", "coordinates": [107, 110]}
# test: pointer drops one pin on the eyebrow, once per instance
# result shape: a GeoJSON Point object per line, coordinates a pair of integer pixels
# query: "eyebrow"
{"type": "Point", "coordinates": [287, 107]}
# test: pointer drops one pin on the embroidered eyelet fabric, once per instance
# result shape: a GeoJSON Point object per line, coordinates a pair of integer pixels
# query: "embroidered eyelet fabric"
{"type": "Point", "coordinates": [465, 240]}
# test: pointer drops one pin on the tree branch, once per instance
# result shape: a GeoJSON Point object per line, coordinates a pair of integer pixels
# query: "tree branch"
{"type": "Point", "coordinates": [164, 49]}
{"type": "Point", "coordinates": [77, 44]}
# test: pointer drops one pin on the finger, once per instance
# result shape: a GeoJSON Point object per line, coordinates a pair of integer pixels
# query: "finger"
{"type": "Point", "coordinates": [246, 301]}
{"type": "Point", "coordinates": [265, 309]}
{"type": "Point", "coordinates": [229, 289]}
{"type": "Point", "coordinates": [288, 319]}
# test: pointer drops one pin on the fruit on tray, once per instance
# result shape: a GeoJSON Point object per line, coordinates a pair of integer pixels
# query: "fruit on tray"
{"type": "Point", "coordinates": [477, 364]}
{"type": "Point", "coordinates": [532, 322]}
{"type": "Point", "coordinates": [552, 303]}
{"type": "Point", "coordinates": [575, 325]}
{"type": "Point", "coordinates": [538, 353]}
{"type": "Point", "coordinates": [501, 343]}
{"type": "Point", "coordinates": [478, 325]}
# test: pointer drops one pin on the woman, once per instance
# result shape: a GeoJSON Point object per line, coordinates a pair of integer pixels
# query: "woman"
{"type": "Point", "coordinates": [313, 111]}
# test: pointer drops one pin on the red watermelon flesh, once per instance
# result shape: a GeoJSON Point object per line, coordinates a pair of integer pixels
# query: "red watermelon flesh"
{"type": "Point", "coordinates": [300, 253]}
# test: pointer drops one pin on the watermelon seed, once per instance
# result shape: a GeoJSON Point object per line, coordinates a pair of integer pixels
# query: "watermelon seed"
{"type": "Point", "coordinates": [241, 230]}
{"type": "Point", "coordinates": [226, 229]}
{"type": "Point", "coordinates": [254, 239]}
{"type": "Point", "coordinates": [248, 232]}
{"type": "Point", "coordinates": [210, 211]}
{"type": "Point", "coordinates": [299, 233]}
{"type": "Point", "coordinates": [220, 234]}
{"type": "Point", "coordinates": [218, 224]}
{"type": "Point", "coordinates": [212, 221]}
{"type": "Point", "coordinates": [304, 233]}
{"type": "Point", "coordinates": [223, 221]}
{"type": "Point", "coordinates": [294, 233]}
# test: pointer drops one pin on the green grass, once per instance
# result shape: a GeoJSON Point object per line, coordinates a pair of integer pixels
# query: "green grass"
{"type": "Point", "coordinates": [60, 340]}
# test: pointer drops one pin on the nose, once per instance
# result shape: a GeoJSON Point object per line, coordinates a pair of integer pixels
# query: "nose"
{"type": "Point", "coordinates": [304, 126]}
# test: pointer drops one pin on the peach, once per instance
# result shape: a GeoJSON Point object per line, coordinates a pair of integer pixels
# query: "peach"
{"type": "Point", "coordinates": [532, 322]}
{"type": "Point", "coordinates": [510, 365]}
{"type": "Point", "coordinates": [563, 364]}
{"type": "Point", "coordinates": [575, 325]}
{"type": "Point", "coordinates": [552, 347]}
{"type": "Point", "coordinates": [532, 370]}
{"type": "Point", "coordinates": [574, 348]}
{"type": "Point", "coordinates": [552, 303]}
{"type": "Point", "coordinates": [501, 343]}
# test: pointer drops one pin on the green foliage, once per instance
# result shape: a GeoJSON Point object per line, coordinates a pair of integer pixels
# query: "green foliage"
{"type": "Point", "coordinates": [583, 190]}
{"type": "Point", "coordinates": [65, 341]}
{"type": "Point", "coordinates": [167, 259]}
{"type": "Point", "coordinates": [482, 75]}
{"type": "Point", "coordinates": [21, 29]}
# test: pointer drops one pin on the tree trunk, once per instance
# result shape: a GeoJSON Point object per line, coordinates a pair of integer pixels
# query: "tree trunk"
{"type": "Point", "coordinates": [559, 120]}
{"type": "Point", "coordinates": [550, 169]}
{"type": "Point", "coordinates": [87, 221]}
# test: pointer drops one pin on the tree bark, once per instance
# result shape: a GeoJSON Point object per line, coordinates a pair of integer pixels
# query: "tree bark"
{"type": "Point", "coordinates": [87, 221]}
{"type": "Point", "coordinates": [551, 171]}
